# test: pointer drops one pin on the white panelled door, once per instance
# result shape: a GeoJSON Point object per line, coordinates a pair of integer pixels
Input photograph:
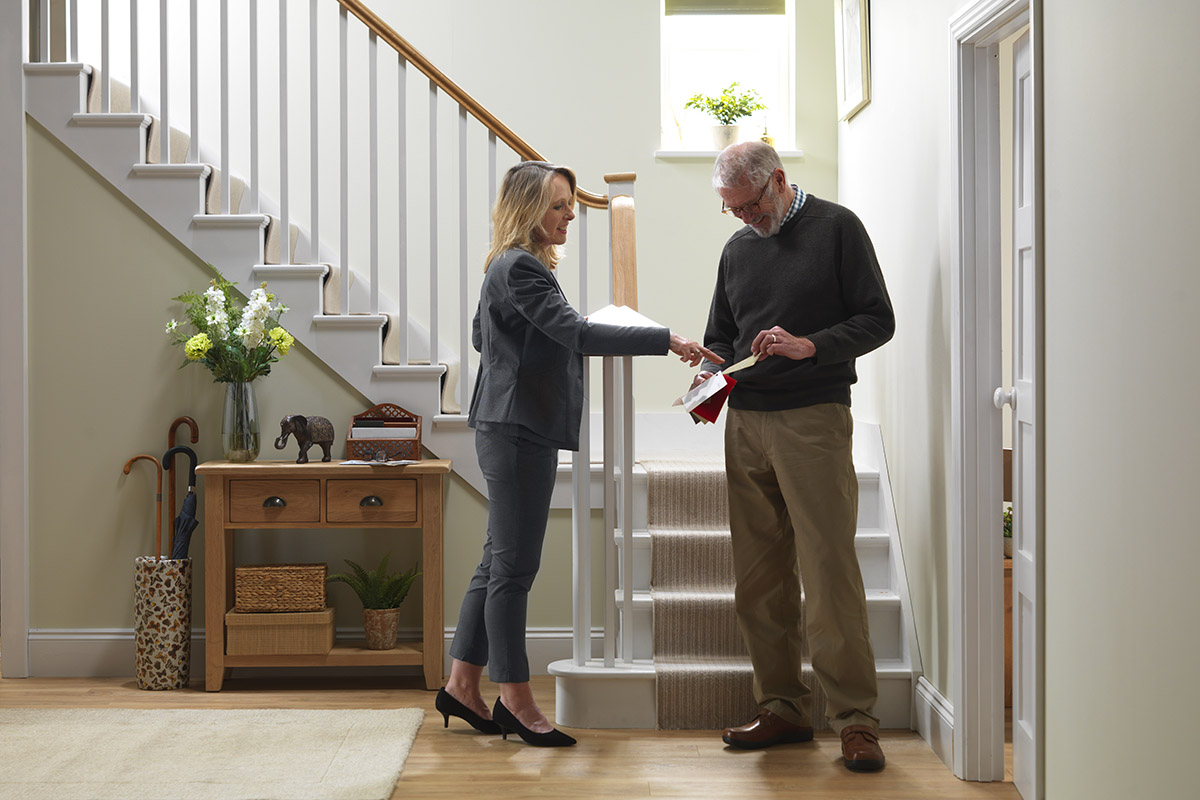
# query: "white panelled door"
{"type": "Point", "coordinates": [1027, 590]}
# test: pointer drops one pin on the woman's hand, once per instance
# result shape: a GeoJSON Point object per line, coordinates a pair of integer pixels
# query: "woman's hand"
{"type": "Point", "coordinates": [692, 352]}
{"type": "Point", "coordinates": [778, 342]}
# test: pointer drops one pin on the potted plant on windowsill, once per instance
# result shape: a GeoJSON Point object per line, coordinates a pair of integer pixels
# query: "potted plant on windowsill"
{"type": "Point", "coordinates": [727, 108]}
{"type": "Point", "coordinates": [381, 595]}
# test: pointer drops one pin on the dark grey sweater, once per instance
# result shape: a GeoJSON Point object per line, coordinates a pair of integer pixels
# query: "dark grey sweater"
{"type": "Point", "coordinates": [818, 277]}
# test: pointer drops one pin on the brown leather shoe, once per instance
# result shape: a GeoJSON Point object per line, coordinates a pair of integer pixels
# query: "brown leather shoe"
{"type": "Point", "coordinates": [860, 746]}
{"type": "Point", "coordinates": [765, 730]}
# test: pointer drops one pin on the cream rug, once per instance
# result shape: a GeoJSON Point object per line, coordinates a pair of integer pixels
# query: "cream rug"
{"type": "Point", "coordinates": [200, 754]}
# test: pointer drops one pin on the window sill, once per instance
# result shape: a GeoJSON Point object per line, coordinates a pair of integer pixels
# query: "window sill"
{"type": "Point", "coordinates": [684, 155]}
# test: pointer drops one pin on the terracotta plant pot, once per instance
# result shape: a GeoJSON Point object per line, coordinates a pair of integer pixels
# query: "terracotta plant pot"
{"type": "Point", "coordinates": [381, 626]}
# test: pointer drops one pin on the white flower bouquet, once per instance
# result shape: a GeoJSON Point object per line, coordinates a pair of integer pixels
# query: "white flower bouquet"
{"type": "Point", "coordinates": [236, 354]}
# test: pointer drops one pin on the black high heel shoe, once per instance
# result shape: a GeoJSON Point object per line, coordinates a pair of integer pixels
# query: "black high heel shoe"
{"type": "Point", "coordinates": [510, 724]}
{"type": "Point", "coordinates": [446, 704]}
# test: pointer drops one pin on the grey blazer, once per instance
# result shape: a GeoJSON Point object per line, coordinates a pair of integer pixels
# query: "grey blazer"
{"type": "Point", "coordinates": [532, 342]}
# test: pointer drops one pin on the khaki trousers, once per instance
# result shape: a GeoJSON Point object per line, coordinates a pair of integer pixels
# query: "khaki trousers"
{"type": "Point", "coordinates": [793, 507]}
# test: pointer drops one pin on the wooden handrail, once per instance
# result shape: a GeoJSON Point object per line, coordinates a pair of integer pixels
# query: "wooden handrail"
{"type": "Point", "coordinates": [410, 54]}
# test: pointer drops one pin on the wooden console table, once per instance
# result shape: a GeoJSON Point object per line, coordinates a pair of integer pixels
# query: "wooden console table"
{"type": "Point", "coordinates": [321, 495]}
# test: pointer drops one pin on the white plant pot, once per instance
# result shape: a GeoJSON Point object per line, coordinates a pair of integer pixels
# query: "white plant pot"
{"type": "Point", "coordinates": [724, 135]}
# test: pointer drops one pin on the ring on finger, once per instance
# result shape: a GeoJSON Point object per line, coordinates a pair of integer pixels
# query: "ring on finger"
{"type": "Point", "coordinates": [772, 338]}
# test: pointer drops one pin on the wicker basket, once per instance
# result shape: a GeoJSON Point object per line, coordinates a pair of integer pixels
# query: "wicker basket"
{"type": "Point", "coordinates": [309, 633]}
{"type": "Point", "coordinates": [385, 449]}
{"type": "Point", "coordinates": [279, 588]}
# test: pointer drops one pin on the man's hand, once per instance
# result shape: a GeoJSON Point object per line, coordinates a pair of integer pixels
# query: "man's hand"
{"type": "Point", "coordinates": [692, 352]}
{"type": "Point", "coordinates": [778, 342]}
{"type": "Point", "coordinates": [700, 378]}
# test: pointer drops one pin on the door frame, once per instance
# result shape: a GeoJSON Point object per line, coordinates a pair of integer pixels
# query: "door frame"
{"type": "Point", "coordinates": [977, 580]}
{"type": "Point", "coordinates": [14, 360]}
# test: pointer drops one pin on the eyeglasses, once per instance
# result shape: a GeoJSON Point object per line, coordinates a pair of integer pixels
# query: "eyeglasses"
{"type": "Point", "coordinates": [737, 211]}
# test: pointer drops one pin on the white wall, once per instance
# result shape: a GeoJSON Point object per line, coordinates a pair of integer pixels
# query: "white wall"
{"type": "Point", "coordinates": [1122, 382]}
{"type": "Point", "coordinates": [893, 162]}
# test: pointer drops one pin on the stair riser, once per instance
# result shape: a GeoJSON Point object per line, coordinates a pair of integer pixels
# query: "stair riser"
{"type": "Point", "coordinates": [628, 701]}
{"type": "Point", "coordinates": [883, 618]}
{"type": "Point", "coordinates": [166, 191]}
{"type": "Point", "coordinates": [54, 96]}
{"type": "Point", "coordinates": [873, 561]}
{"type": "Point", "coordinates": [868, 504]}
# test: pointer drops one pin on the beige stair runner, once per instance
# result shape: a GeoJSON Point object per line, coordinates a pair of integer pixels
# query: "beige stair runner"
{"type": "Point", "coordinates": [703, 676]}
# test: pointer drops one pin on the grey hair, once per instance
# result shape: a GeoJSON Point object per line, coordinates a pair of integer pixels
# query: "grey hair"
{"type": "Point", "coordinates": [745, 163]}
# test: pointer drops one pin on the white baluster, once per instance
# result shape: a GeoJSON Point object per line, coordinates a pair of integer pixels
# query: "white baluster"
{"type": "Point", "coordinates": [226, 205]}
{"type": "Point", "coordinates": [491, 179]}
{"type": "Point", "coordinates": [343, 71]}
{"type": "Point", "coordinates": [581, 501]}
{"type": "Point", "coordinates": [610, 513]}
{"type": "Point", "coordinates": [135, 100]}
{"type": "Point", "coordinates": [464, 321]}
{"type": "Point", "coordinates": [194, 56]}
{"type": "Point", "coordinates": [44, 33]}
{"type": "Point", "coordinates": [164, 144]}
{"type": "Point", "coordinates": [373, 133]}
{"type": "Point", "coordinates": [75, 30]}
{"type": "Point", "coordinates": [285, 217]}
{"type": "Point", "coordinates": [105, 77]}
{"type": "Point", "coordinates": [253, 203]}
{"type": "Point", "coordinates": [626, 412]}
{"type": "Point", "coordinates": [402, 201]}
{"type": "Point", "coordinates": [313, 112]}
{"type": "Point", "coordinates": [433, 226]}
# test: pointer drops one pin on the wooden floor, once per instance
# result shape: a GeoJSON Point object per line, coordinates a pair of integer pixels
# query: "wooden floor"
{"type": "Point", "coordinates": [616, 764]}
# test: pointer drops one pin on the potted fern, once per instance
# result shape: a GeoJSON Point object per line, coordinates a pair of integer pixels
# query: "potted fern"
{"type": "Point", "coordinates": [381, 595]}
{"type": "Point", "coordinates": [727, 108]}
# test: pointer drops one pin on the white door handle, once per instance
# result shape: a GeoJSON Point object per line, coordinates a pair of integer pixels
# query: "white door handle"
{"type": "Point", "coordinates": [1001, 398]}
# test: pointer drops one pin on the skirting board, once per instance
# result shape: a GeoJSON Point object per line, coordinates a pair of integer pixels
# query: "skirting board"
{"type": "Point", "coordinates": [108, 652]}
{"type": "Point", "coordinates": [935, 721]}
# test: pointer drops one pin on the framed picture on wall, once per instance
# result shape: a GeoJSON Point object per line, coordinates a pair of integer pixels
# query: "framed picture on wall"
{"type": "Point", "coordinates": [852, 33]}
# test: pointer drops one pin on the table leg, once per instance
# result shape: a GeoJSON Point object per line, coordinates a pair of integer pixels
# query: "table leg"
{"type": "Point", "coordinates": [217, 545]}
{"type": "Point", "coordinates": [432, 578]}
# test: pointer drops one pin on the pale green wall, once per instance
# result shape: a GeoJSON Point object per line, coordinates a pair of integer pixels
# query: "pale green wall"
{"type": "Point", "coordinates": [102, 275]}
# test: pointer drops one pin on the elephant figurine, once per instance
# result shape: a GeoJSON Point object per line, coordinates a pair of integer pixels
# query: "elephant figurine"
{"type": "Point", "coordinates": [308, 431]}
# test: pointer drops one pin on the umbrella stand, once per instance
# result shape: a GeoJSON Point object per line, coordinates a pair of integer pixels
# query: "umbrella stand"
{"type": "Point", "coordinates": [162, 610]}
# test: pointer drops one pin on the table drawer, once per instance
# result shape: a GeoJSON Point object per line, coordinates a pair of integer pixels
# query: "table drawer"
{"type": "Point", "coordinates": [372, 500]}
{"type": "Point", "coordinates": [274, 501]}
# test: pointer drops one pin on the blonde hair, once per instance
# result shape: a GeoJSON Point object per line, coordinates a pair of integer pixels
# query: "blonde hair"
{"type": "Point", "coordinates": [525, 196]}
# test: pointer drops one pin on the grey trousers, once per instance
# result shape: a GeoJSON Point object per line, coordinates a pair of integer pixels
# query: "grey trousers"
{"type": "Point", "coordinates": [491, 623]}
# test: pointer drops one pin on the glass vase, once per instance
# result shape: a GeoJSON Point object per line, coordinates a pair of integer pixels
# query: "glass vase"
{"type": "Point", "coordinates": [239, 422]}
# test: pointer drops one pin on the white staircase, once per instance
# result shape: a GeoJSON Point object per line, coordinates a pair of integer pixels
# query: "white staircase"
{"type": "Point", "coordinates": [623, 695]}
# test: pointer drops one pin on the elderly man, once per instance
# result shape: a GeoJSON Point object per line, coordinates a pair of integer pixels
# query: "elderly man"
{"type": "Point", "coordinates": [799, 287]}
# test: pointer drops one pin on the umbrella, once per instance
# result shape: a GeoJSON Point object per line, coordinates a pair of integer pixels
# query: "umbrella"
{"type": "Point", "coordinates": [195, 437]}
{"type": "Point", "coordinates": [186, 521]}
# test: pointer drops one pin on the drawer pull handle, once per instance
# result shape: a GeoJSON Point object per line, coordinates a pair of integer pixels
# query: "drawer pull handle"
{"type": "Point", "coordinates": [274, 502]}
{"type": "Point", "coordinates": [371, 500]}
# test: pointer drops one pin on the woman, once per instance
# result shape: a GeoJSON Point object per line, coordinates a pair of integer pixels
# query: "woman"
{"type": "Point", "coordinates": [527, 405]}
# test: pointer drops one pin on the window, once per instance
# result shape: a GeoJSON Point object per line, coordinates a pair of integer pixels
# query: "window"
{"type": "Point", "coordinates": [708, 44]}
